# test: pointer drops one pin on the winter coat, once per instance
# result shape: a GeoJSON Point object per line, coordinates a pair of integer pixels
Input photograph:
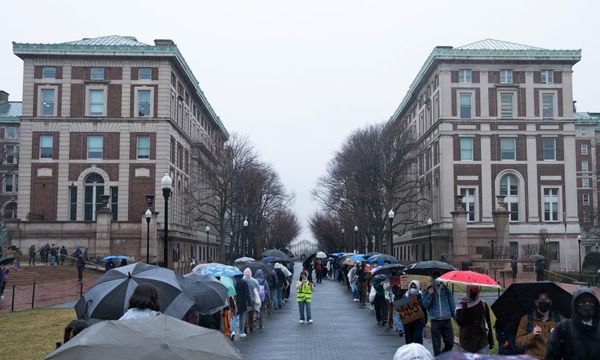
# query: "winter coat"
{"type": "Point", "coordinates": [440, 305]}
{"type": "Point", "coordinates": [260, 277]}
{"type": "Point", "coordinates": [242, 297]}
{"type": "Point", "coordinates": [136, 313]}
{"type": "Point", "coordinates": [574, 340]}
{"type": "Point", "coordinates": [475, 327]}
{"type": "Point", "coordinates": [534, 345]}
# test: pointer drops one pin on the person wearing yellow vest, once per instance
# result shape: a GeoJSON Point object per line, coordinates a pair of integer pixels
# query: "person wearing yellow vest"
{"type": "Point", "coordinates": [304, 297]}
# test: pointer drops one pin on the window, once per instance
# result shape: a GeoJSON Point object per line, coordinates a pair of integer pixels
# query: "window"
{"type": "Point", "coordinates": [514, 249]}
{"type": "Point", "coordinates": [586, 216]}
{"type": "Point", "coordinates": [72, 203]}
{"type": "Point", "coordinates": [96, 102]}
{"type": "Point", "coordinates": [547, 77]}
{"type": "Point", "coordinates": [144, 74]}
{"type": "Point", "coordinates": [585, 183]}
{"type": "Point", "coordinates": [11, 132]}
{"type": "Point", "coordinates": [506, 76]}
{"type": "Point", "coordinates": [46, 148]}
{"type": "Point", "coordinates": [10, 211]}
{"type": "Point", "coordinates": [10, 156]}
{"type": "Point", "coordinates": [94, 189]}
{"type": "Point", "coordinates": [469, 202]}
{"type": "Point", "coordinates": [143, 103]}
{"type": "Point", "coordinates": [551, 204]}
{"type": "Point", "coordinates": [464, 76]}
{"type": "Point", "coordinates": [507, 148]}
{"type": "Point", "coordinates": [114, 202]}
{"type": "Point", "coordinates": [549, 148]}
{"type": "Point", "coordinates": [95, 146]}
{"type": "Point", "coordinates": [97, 73]}
{"type": "Point", "coordinates": [585, 165]}
{"type": "Point", "coordinates": [466, 148]}
{"type": "Point", "coordinates": [509, 188]}
{"type": "Point", "coordinates": [48, 72]}
{"type": "Point", "coordinates": [553, 251]}
{"type": "Point", "coordinates": [506, 105]}
{"type": "Point", "coordinates": [143, 147]}
{"type": "Point", "coordinates": [586, 199]}
{"type": "Point", "coordinates": [584, 149]}
{"type": "Point", "coordinates": [48, 102]}
{"type": "Point", "coordinates": [9, 183]}
{"type": "Point", "coordinates": [547, 105]}
{"type": "Point", "coordinates": [465, 105]}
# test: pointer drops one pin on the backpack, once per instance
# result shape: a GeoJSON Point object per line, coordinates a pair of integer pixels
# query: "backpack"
{"type": "Point", "coordinates": [262, 293]}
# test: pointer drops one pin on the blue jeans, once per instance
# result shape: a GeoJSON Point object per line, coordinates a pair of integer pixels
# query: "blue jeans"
{"type": "Point", "coordinates": [277, 300]}
{"type": "Point", "coordinates": [354, 291]}
{"type": "Point", "coordinates": [234, 322]}
{"type": "Point", "coordinates": [304, 305]}
{"type": "Point", "coordinates": [242, 322]}
{"type": "Point", "coordinates": [399, 327]}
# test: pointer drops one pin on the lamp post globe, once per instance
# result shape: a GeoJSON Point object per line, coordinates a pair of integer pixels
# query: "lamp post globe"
{"type": "Point", "coordinates": [148, 216]}
{"type": "Point", "coordinates": [166, 183]}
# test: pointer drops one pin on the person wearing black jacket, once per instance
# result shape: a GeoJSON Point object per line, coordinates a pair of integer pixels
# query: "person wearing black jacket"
{"type": "Point", "coordinates": [577, 338]}
{"type": "Point", "coordinates": [243, 301]}
{"type": "Point", "coordinates": [80, 267]}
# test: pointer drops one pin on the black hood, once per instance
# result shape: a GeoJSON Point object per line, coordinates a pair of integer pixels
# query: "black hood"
{"type": "Point", "coordinates": [575, 316]}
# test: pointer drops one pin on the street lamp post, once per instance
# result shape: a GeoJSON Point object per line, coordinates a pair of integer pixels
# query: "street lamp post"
{"type": "Point", "coordinates": [344, 238]}
{"type": "Point", "coordinates": [579, 247]}
{"type": "Point", "coordinates": [355, 238]}
{"type": "Point", "coordinates": [244, 249]}
{"type": "Point", "coordinates": [492, 242]}
{"type": "Point", "coordinates": [429, 225]}
{"type": "Point", "coordinates": [166, 183]}
{"type": "Point", "coordinates": [148, 216]}
{"type": "Point", "coordinates": [391, 215]}
{"type": "Point", "coordinates": [207, 234]}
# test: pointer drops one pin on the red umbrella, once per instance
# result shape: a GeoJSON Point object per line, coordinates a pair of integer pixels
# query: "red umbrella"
{"type": "Point", "coordinates": [469, 278]}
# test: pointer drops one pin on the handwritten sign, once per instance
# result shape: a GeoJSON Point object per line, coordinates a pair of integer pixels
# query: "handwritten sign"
{"type": "Point", "coordinates": [424, 281]}
{"type": "Point", "coordinates": [409, 309]}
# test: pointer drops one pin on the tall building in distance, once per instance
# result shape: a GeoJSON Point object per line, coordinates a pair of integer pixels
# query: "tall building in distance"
{"type": "Point", "coordinates": [103, 120]}
{"type": "Point", "coordinates": [498, 153]}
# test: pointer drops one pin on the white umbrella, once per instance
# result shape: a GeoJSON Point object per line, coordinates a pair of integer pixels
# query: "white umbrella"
{"type": "Point", "coordinates": [321, 255]}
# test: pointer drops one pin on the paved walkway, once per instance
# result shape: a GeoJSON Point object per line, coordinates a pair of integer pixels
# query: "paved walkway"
{"type": "Point", "coordinates": [341, 330]}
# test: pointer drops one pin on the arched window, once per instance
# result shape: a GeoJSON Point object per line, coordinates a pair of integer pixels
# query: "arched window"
{"type": "Point", "coordinates": [94, 188]}
{"type": "Point", "coordinates": [509, 188]}
{"type": "Point", "coordinates": [10, 211]}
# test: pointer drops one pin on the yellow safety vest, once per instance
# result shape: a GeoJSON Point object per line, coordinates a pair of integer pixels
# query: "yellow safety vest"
{"type": "Point", "coordinates": [304, 292]}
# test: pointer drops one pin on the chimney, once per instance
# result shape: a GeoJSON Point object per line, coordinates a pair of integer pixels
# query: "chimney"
{"type": "Point", "coordinates": [3, 97]}
{"type": "Point", "coordinates": [163, 42]}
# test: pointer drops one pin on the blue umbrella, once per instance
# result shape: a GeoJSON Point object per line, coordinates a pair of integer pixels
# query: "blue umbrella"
{"type": "Point", "coordinates": [358, 257]}
{"type": "Point", "coordinates": [115, 257]}
{"type": "Point", "coordinates": [338, 254]}
{"type": "Point", "coordinates": [382, 259]}
{"type": "Point", "coordinates": [219, 270]}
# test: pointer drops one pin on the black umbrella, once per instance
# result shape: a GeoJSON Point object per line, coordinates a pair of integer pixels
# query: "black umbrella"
{"type": "Point", "coordinates": [208, 293]}
{"type": "Point", "coordinates": [7, 259]}
{"type": "Point", "coordinates": [518, 299]}
{"type": "Point", "coordinates": [372, 253]}
{"type": "Point", "coordinates": [108, 299]}
{"type": "Point", "coordinates": [267, 270]}
{"type": "Point", "coordinates": [429, 267]}
{"type": "Point", "coordinates": [388, 269]}
{"type": "Point", "coordinates": [307, 263]}
{"type": "Point", "coordinates": [277, 253]}
{"type": "Point", "coordinates": [382, 259]}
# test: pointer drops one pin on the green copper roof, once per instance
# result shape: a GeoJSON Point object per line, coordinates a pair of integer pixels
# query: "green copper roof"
{"type": "Point", "coordinates": [115, 45]}
{"type": "Point", "coordinates": [491, 44]}
{"type": "Point", "coordinates": [111, 40]}
{"type": "Point", "coordinates": [587, 118]}
{"type": "Point", "coordinates": [485, 50]}
{"type": "Point", "coordinates": [10, 111]}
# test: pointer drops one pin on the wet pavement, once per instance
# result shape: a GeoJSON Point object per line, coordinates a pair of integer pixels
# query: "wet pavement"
{"type": "Point", "coordinates": [341, 330]}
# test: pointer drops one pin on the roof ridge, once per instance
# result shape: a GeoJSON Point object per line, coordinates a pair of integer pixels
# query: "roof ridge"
{"type": "Point", "coordinates": [486, 42]}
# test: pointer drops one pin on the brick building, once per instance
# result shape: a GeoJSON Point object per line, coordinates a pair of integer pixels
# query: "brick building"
{"type": "Point", "coordinates": [10, 111]}
{"type": "Point", "coordinates": [103, 120]}
{"type": "Point", "coordinates": [497, 137]}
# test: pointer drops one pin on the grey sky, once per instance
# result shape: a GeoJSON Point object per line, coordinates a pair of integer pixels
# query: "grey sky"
{"type": "Point", "coordinates": [298, 77]}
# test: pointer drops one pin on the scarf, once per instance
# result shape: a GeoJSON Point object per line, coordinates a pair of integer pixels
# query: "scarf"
{"type": "Point", "coordinates": [467, 300]}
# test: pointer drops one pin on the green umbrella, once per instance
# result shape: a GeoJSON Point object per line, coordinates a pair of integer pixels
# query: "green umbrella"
{"type": "Point", "coordinates": [228, 282]}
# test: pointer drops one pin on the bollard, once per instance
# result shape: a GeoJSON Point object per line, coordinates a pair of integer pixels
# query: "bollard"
{"type": "Point", "coordinates": [81, 289]}
{"type": "Point", "coordinates": [12, 305]}
{"type": "Point", "coordinates": [33, 295]}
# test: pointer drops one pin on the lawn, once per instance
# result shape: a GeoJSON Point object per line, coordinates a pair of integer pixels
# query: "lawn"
{"type": "Point", "coordinates": [32, 334]}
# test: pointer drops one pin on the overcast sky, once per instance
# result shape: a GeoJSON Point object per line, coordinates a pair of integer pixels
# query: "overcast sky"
{"type": "Point", "coordinates": [298, 77]}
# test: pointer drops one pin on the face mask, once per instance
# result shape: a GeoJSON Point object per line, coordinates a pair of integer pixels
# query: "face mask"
{"type": "Point", "coordinates": [473, 295]}
{"type": "Point", "coordinates": [413, 290]}
{"type": "Point", "coordinates": [543, 306]}
{"type": "Point", "coordinates": [586, 311]}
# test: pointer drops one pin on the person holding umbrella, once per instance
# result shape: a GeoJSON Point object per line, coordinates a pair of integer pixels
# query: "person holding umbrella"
{"type": "Point", "coordinates": [243, 301]}
{"type": "Point", "coordinates": [440, 306]}
{"type": "Point", "coordinates": [143, 303]}
{"type": "Point", "coordinates": [578, 337]}
{"type": "Point", "coordinates": [535, 327]}
{"type": "Point", "coordinates": [362, 279]}
{"type": "Point", "coordinates": [475, 324]}
{"type": "Point", "coordinates": [80, 267]}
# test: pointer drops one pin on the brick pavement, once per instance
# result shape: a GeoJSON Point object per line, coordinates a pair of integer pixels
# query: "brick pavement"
{"type": "Point", "coordinates": [342, 330]}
